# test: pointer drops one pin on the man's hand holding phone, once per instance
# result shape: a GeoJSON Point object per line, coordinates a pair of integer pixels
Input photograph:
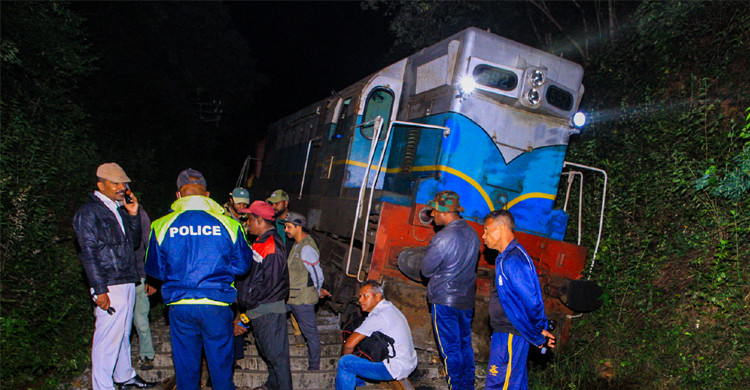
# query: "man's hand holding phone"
{"type": "Point", "coordinates": [131, 202]}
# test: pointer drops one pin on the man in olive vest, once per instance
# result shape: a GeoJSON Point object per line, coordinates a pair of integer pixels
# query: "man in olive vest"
{"type": "Point", "coordinates": [305, 283]}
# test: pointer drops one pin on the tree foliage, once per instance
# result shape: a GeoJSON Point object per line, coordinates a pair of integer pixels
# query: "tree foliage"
{"type": "Point", "coordinates": [121, 83]}
{"type": "Point", "coordinates": [174, 90]}
{"type": "Point", "coordinates": [665, 87]}
{"type": "Point", "coordinates": [573, 29]}
{"type": "Point", "coordinates": [46, 163]}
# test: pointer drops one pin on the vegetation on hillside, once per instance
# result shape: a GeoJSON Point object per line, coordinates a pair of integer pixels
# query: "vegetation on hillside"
{"type": "Point", "coordinates": [91, 82]}
{"type": "Point", "coordinates": [46, 164]}
{"type": "Point", "coordinates": [666, 89]}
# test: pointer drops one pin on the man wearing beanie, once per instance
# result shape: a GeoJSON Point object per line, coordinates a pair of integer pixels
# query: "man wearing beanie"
{"type": "Point", "coordinates": [108, 230]}
{"type": "Point", "coordinates": [197, 251]}
{"type": "Point", "coordinates": [239, 198]}
{"type": "Point", "coordinates": [279, 200]}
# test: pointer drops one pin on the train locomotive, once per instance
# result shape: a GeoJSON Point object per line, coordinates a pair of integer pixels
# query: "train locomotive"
{"type": "Point", "coordinates": [475, 113]}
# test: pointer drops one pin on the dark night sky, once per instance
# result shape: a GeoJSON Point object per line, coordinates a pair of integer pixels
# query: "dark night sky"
{"type": "Point", "coordinates": [307, 49]}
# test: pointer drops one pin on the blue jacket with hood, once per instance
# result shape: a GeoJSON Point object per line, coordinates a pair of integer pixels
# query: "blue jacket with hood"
{"type": "Point", "coordinates": [197, 251]}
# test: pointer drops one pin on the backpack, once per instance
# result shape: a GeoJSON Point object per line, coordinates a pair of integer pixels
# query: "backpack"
{"type": "Point", "coordinates": [376, 348]}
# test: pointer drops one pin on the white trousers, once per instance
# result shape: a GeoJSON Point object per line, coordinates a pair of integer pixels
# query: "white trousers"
{"type": "Point", "coordinates": [110, 353]}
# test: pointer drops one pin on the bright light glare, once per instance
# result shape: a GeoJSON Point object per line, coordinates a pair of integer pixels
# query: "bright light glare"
{"type": "Point", "coordinates": [533, 97]}
{"type": "Point", "coordinates": [537, 78]}
{"type": "Point", "coordinates": [579, 119]}
{"type": "Point", "coordinates": [467, 85]}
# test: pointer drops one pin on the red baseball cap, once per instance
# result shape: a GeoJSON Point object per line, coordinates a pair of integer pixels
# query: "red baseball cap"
{"type": "Point", "coordinates": [261, 209]}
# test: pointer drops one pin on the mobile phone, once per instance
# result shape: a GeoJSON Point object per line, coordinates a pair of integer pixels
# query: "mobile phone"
{"type": "Point", "coordinates": [128, 194]}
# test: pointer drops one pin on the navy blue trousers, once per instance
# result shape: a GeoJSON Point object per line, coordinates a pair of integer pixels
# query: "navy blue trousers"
{"type": "Point", "coordinates": [452, 329]}
{"type": "Point", "coordinates": [209, 327]}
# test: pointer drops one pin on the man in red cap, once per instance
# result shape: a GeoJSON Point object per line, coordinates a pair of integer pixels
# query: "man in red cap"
{"type": "Point", "coordinates": [263, 292]}
{"type": "Point", "coordinates": [108, 229]}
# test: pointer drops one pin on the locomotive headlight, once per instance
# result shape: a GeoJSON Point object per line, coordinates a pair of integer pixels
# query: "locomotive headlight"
{"type": "Point", "coordinates": [467, 85]}
{"type": "Point", "coordinates": [579, 119]}
{"type": "Point", "coordinates": [533, 97]}
{"type": "Point", "coordinates": [536, 78]}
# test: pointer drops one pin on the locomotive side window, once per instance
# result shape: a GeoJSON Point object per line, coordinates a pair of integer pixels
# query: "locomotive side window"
{"type": "Point", "coordinates": [559, 98]}
{"type": "Point", "coordinates": [379, 103]}
{"type": "Point", "coordinates": [340, 120]}
{"type": "Point", "coordinates": [497, 78]}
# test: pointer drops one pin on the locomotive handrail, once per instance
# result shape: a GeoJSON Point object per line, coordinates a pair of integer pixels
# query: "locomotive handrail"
{"type": "Point", "coordinates": [373, 145]}
{"type": "Point", "coordinates": [378, 121]}
{"type": "Point", "coordinates": [601, 214]}
{"type": "Point", "coordinates": [304, 171]}
{"type": "Point", "coordinates": [571, 177]}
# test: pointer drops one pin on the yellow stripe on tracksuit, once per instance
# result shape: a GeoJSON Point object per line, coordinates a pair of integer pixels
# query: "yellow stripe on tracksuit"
{"type": "Point", "coordinates": [510, 360]}
{"type": "Point", "coordinates": [440, 345]}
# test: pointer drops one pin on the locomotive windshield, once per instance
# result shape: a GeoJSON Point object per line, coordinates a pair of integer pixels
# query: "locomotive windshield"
{"type": "Point", "coordinates": [492, 77]}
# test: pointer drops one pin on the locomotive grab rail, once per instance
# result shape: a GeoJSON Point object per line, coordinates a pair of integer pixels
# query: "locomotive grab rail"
{"type": "Point", "coordinates": [304, 172]}
{"type": "Point", "coordinates": [601, 214]}
{"type": "Point", "coordinates": [373, 145]}
{"type": "Point", "coordinates": [571, 177]}
{"type": "Point", "coordinates": [378, 121]}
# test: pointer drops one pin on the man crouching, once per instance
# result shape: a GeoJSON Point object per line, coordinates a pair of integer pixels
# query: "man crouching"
{"type": "Point", "coordinates": [384, 317]}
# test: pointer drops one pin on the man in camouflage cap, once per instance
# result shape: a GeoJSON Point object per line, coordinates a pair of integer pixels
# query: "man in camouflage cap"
{"type": "Point", "coordinates": [451, 262]}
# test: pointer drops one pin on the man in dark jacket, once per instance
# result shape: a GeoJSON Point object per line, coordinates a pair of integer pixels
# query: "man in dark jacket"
{"type": "Point", "coordinates": [516, 309]}
{"type": "Point", "coordinates": [108, 235]}
{"type": "Point", "coordinates": [263, 293]}
{"type": "Point", "coordinates": [198, 251]}
{"type": "Point", "coordinates": [451, 262]}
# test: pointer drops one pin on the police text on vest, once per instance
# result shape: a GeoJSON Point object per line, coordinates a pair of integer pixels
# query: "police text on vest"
{"type": "Point", "coordinates": [195, 231]}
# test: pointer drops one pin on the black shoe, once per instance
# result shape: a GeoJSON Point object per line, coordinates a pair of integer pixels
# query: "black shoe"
{"type": "Point", "coordinates": [137, 383]}
{"type": "Point", "coordinates": [146, 363]}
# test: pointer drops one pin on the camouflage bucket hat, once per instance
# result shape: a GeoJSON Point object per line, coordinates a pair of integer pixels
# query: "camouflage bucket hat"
{"type": "Point", "coordinates": [445, 201]}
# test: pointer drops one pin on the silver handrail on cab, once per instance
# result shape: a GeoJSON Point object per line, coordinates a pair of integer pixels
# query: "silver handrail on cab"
{"type": "Point", "coordinates": [601, 214]}
{"type": "Point", "coordinates": [378, 121]}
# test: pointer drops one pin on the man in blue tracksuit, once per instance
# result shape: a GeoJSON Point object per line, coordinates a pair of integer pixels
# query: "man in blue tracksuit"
{"type": "Point", "coordinates": [197, 251]}
{"type": "Point", "coordinates": [516, 309]}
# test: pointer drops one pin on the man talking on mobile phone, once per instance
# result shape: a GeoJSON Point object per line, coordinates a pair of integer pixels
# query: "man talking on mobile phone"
{"type": "Point", "coordinates": [108, 230]}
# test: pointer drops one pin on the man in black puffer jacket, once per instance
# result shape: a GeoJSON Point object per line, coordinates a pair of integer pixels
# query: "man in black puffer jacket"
{"type": "Point", "coordinates": [108, 236]}
{"type": "Point", "coordinates": [451, 264]}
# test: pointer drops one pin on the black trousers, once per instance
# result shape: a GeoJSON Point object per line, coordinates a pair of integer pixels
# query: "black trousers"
{"type": "Point", "coordinates": [273, 344]}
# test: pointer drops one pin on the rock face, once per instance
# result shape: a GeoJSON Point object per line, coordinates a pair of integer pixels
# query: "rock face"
{"type": "Point", "coordinates": [251, 370]}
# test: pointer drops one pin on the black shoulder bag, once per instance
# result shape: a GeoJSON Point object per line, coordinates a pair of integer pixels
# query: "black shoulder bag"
{"type": "Point", "coordinates": [376, 348]}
